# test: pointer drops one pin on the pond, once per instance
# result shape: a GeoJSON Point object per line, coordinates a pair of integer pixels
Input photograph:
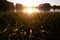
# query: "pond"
{"type": "Point", "coordinates": [35, 10]}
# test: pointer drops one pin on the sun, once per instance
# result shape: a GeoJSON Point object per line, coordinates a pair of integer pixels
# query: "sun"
{"type": "Point", "coordinates": [28, 10]}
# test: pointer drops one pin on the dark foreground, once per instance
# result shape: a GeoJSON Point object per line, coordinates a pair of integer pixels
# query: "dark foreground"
{"type": "Point", "coordinates": [23, 26]}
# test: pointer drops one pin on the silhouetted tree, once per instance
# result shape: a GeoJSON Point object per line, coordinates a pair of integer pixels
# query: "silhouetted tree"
{"type": "Point", "coordinates": [19, 6]}
{"type": "Point", "coordinates": [4, 5]}
{"type": "Point", "coordinates": [45, 6]}
{"type": "Point", "coordinates": [54, 7]}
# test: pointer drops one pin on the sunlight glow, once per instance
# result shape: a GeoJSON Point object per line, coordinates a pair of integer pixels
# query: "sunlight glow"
{"type": "Point", "coordinates": [30, 10]}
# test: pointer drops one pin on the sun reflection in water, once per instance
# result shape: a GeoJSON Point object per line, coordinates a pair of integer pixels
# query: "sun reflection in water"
{"type": "Point", "coordinates": [30, 10]}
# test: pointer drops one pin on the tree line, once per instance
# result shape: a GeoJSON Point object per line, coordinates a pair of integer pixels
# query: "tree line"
{"type": "Point", "coordinates": [5, 5]}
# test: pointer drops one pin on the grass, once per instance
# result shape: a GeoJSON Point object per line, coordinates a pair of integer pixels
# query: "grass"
{"type": "Point", "coordinates": [48, 21]}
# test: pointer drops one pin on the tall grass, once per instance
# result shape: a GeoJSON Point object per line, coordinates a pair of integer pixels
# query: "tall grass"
{"type": "Point", "coordinates": [18, 21]}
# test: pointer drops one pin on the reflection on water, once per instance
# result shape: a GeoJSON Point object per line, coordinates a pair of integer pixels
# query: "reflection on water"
{"type": "Point", "coordinates": [56, 10]}
{"type": "Point", "coordinates": [35, 10]}
{"type": "Point", "coordinates": [31, 10]}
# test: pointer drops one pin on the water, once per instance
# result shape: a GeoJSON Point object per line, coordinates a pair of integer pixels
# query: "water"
{"type": "Point", "coordinates": [56, 10]}
{"type": "Point", "coordinates": [35, 10]}
{"type": "Point", "coordinates": [31, 10]}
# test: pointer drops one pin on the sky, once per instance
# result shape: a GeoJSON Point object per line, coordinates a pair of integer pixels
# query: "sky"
{"type": "Point", "coordinates": [36, 2]}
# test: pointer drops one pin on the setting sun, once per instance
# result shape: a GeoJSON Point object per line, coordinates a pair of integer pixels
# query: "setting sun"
{"type": "Point", "coordinates": [30, 10]}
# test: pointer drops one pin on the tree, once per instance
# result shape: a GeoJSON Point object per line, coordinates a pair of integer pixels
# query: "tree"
{"type": "Point", "coordinates": [45, 6]}
{"type": "Point", "coordinates": [5, 6]}
{"type": "Point", "coordinates": [19, 6]}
